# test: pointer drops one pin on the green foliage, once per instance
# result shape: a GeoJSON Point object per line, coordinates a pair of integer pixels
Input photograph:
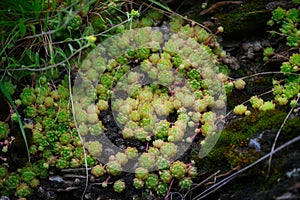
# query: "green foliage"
{"type": "Point", "coordinates": [288, 90]}
{"type": "Point", "coordinates": [289, 22]}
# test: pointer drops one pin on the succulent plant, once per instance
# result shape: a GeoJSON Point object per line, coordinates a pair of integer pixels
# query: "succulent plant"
{"type": "Point", "coordinates": [158, 143]}
{"type": "Point", "coordinates": [12, 181]}
{"type": "Point", "coordinates": [240, 109]}
{"type": "Point", "coordinates": [131, 152]}
{"type": "Point", "coordinates": [208, 128]}
{"type": "Point", "coordinates": [138, 183]}
{"type": "Point", "coordinates": [141, 173]}
{"type": "Point", "coordinates": [114, 168]}
{"type": "Point", "coordinates": [90, 160]}
{"type": "Point", "coordinates": [75, 163]}
{"type": "Point", "coordinates": [147, 160]}
{"type": "Point", "coordinates": [178, 169]}
{"type": "Point", "coordinates": [256, 102]}
{"type": "Point", "coordinates": [192, 172]}
{"type": "Point", "coordinates": [162, 163]}
{"type": "Point", "coordinates": [152, 181]}
{"type": "Point", "coordinates": [162, 189]}
{"type": "Point", "coordinates": [28, 96]}
{"type": "Point", "coordinates": [94, 148]}
{"type": "Point", "coordinates": [26, 174]}
{"type": "Point", "coordinates": [62, 163]}
{"type": "Point", "coordinates": [268, 105]}
{"type": "Point", "coordinates": [23, 190]}
{"type": "Point", "coordinates": [121, 158]}
{"type": "Point", "coordinates": [239, 84]}
{"type": "Point", "coordinates": [161, 130]}
{"type": "Point", "coordinates": [98, 170]}
{"type": "Point", "coordinates": [168, 149]}
{"type": "Point", "coordinates": [74, 23]}
{"type": "Point", "coordinates": [65, 138]}
{"type": "Point", "coordinates": [4, 130]}
{"type": "Point", "coordinates": [97, 128]}
{"type": "Point", "coordinates": [3, 171]}
{"type": "Point", "coordinates": [185, 183]}
{"type": "Point", "coordinates": [119, 186]}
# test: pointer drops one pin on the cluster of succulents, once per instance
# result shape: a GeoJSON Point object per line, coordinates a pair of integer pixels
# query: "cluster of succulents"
{"type": "Point", "coordinates": [22, 182]}
{"type": "Point", "coordinates": [4, 130]}
{"type": "Point", "coordinates": [289, 23]}
{"type": "Point", "coordinates": [168, 172]}
{"type": "Point", "coordinates": [54, 142]}
{"type": "Point", "coordinates": [164, 88]}
{"type": "Point", "coordinates": [286, 90]}
{"type": "Point", "coordinates": [148, 75]}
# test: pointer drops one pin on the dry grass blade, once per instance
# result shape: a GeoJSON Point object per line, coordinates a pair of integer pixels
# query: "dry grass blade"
{"type": "Point", "coordinates": [276, 138]}
{"type": "Point", "coordinates": [8, 97]}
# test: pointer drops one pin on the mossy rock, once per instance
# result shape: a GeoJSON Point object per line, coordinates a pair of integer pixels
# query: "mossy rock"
{"type": "Point", "coordinates": [239, 19]}
{"type": "Point", "coordinates": [232, 149]}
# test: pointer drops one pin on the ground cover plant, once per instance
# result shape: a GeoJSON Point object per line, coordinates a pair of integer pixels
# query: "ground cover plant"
{"type": "Point", "coordinates": [123, 89]}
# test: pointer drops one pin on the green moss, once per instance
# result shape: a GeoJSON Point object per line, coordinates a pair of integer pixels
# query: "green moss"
{"type": "Point", "coordinates": [236, 18]}
{"type": "Point", "coordinates": [231, 148]}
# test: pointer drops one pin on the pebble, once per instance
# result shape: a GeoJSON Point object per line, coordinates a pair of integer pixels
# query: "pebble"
{"type": "Point", "coordinates": [56, 178]}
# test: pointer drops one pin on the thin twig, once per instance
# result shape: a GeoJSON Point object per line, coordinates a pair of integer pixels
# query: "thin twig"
{"type": "Point", "coordinates": [229, 178]}
{"type": "Point", "coordinates": [167, 13]}
{"type": "Point", "coordinates": [276, 138]}
{"type": "Point", "coordinates": [262, 94]}
{"type": "Point", "coordinates": [82, 142]}
{"type": "Point", "coordinates": [201, 183]}
{"type": "Point", "coordinates": [267, 73]}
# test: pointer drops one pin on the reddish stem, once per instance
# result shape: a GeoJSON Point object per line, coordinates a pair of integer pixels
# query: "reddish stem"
{"type": "Point", "coordinates": [212, 37]}
{"type": "Point", "coordinates": [51, 161]}
{"type": "Point", "coordinates": [3, 159]}
{"type": "Point", "coordinates": [198, 132]}
{"type": "Point", "coordinates": [168, 193]}
{"type": "Point", "coordinates": [106, 180]}
{"type": "Point", "coordinates": [11, 111]}
{"type": "Point", "coordinates": [172, 92]}
{"type": "Point", "coordinates": [147, 147]}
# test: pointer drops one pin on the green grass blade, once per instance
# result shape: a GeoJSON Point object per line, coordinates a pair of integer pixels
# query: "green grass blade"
{"type": "Point", "coordinates": [8, 97]}
{"type": "Point", "coordinates": [161, 5]}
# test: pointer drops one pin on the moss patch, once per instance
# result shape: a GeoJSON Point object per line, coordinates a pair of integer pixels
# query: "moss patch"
{"type": "Point", "coordinates": [232, 149]}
